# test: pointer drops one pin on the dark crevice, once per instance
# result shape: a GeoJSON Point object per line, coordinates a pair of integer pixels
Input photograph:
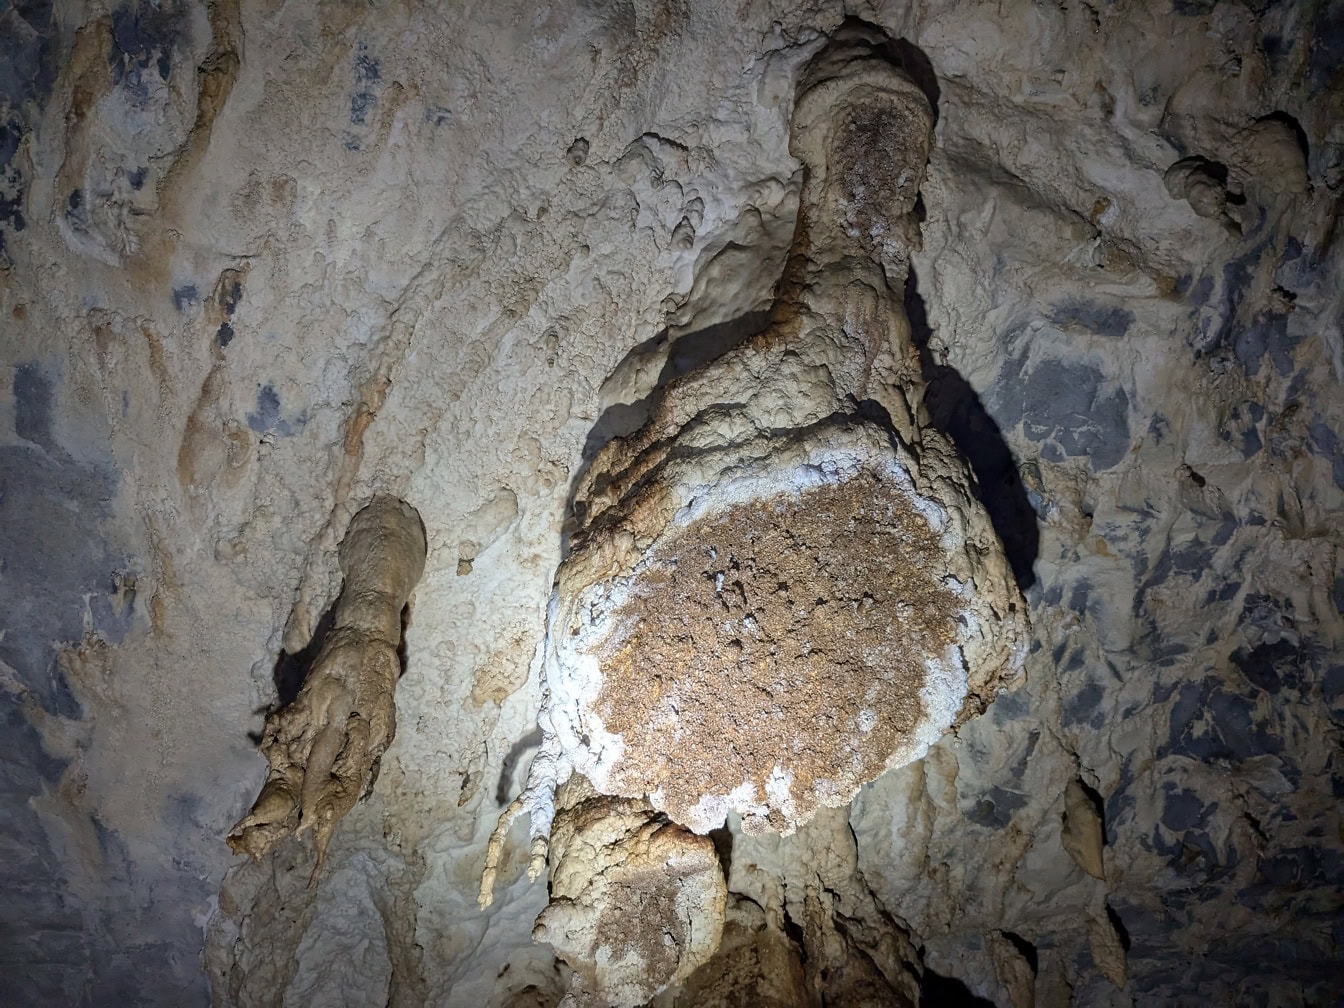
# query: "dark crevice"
{"type": "Point", "coordinates": [693, 350]}
{"type": "Point", "coordinates": [504, 787]}
{"type": "Point", "coordinates": [795, 934]}
{"type": "Point", "coordinates": [723, 847]}
{"type": "Point", "coordinates": [1121, 931]}
{"type": "Point", "coordinates": [936, 991]}
{"type": "Point", "coordinates": [292, 669]}
{"type": "Point", "coordinates": [956, 409]}
{"type": "Point", "coordinates": [1025, 948]}
{"type": "Point", "coordinates": [401, 641]}
{"type": "Point", "coordinates": [1095, 800]}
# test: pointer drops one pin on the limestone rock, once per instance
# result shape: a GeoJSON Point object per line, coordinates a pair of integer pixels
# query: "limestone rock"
{"type": "Point", "coordinates": [852, 949]}
{"type": "Point", "coordinates": [261, 262]}
{"type": "Point", "coordinates": [1271, 153]}
{"type": "Point", "coordinates": [783, 583]}
{"type": "Point", "coordinates": [1108, 950]}
{"type": "Point", "coordinates": [1015, 972]}
{"type": "Point", "coordinates": [1203, 184]}
{"type": "Point", "coordinates": [756, 963]}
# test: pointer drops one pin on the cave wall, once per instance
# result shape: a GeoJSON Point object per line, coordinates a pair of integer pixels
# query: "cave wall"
{"type": "Point", "coordinates": [262, 261]}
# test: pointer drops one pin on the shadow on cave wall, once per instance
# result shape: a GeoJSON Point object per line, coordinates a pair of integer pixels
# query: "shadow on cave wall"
{"type": "Point", "coordinates": [291, 670]}
{"type": "Point", "coordinates": [956, 410]}
{"type": "Point", "coordinates": [937, 991]}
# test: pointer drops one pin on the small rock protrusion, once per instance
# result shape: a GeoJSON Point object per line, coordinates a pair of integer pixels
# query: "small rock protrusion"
{"type": "Point", "coordinates": [1015, 970]}
{"type": "Point", "coordinates": [577, 154]}
{"type": "Point", "coordinates": [1082, 834]}
{"type": "Point", "coordinates": [1203, 184]}
{"type": "Point", "coordinates": [325, 747]}
{"type": "Point", "coordinates": [1271, 152]}
{"type": "Point", "coordinates": [1108, 947]}
{"type": "Point", "coordinates": [683, 235]}
{"type": "Point", "coordinates": [618, 854]}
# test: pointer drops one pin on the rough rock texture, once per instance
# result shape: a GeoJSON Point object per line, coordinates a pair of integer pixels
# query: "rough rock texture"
{"type": "Point", "coordinates": [636, 901]}
{"type": "Point", "coordinates": [811, 894]}
{"type": "Point", "coordinates": [368, 254]}
{"type": "Point", "coordinates": [325, 746]}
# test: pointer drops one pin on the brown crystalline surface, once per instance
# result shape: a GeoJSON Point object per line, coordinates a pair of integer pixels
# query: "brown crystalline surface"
{"type": "Point", "coordinates": [789, 632]}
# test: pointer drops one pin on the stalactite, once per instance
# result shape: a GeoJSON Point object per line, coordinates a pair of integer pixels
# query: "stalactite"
{"type": "Point", "coordinates": [783, 583]}
{"type": "Point", "coordinates": [324, 748]}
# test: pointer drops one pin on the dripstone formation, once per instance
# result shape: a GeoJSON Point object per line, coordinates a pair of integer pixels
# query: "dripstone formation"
{"type": "Point", "coordinates": [325, 747]}
{"type": "Point", "coordinates": [783, 583]}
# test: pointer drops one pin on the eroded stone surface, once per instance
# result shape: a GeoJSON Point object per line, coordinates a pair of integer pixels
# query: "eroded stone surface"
{"type": "Point", "coordinates": [770, 596]}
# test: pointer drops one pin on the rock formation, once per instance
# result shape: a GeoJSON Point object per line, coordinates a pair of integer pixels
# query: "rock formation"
{"type": "Point", "coordinates": [783, 583]}
{"type": "Point", "coordinates": [324, 748]}
{"type": "Point", "coordinates": [636, 901]}
{"type": "Point", "coordinates": [261, 263]}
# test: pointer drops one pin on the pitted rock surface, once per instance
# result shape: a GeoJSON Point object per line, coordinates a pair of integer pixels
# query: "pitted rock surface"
{"type": "Point", "coordinates": [777, 647]}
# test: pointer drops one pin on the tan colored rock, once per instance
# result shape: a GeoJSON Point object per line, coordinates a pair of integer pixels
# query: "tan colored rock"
{"type": "Point", "coordinates": [1202, 184]}
{"type": "Point", "coordinates": [1082, 834]}
{"type": "Point", "coordinates": [1053, 989]}
{"type": "Point", "coordinates": [853, 951]}
{"type": "Point", "coordinates": [1269, 152]}
{"type": "Point", "coordinates": [325, 747]}
{"type": "Point", "coordinates": [756, 964]}
{"type": "Point", "coordinates": [1013, 970]}
{"type": "Point", "coordinates": [637, 902]}
{"type": "Point", "coordinates": [1108, 950]}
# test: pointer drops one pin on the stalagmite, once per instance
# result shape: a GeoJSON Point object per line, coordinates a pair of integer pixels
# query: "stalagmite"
{"type": "Point", "coordinates": [324, 748]}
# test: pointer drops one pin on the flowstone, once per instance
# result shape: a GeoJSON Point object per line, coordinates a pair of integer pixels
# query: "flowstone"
{"type": "Point", "coordinates": [325, 747]}
{"type": "Point", "coordinates": [783, 583]}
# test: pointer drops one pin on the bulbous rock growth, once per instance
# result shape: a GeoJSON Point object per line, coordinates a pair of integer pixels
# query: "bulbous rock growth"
{"type": "Point", "coordinates": [783, 583]}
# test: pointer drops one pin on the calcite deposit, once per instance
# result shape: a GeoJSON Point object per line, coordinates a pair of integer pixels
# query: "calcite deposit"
{"type": "Point", "coordinates": [783, 583]}
{"type": "Point", "coordinates": [770, 596]}
{"type": "Point", "coordinates": [636, 901]}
